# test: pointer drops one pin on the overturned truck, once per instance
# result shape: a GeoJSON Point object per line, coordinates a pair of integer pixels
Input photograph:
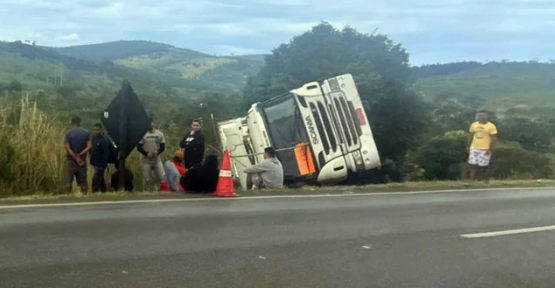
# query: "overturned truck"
{"type": "Point", "coordinates": [320, 132]}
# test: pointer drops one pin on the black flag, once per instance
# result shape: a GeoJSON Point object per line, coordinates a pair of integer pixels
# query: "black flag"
{"type": "Point", "coordinates": [126, 120]}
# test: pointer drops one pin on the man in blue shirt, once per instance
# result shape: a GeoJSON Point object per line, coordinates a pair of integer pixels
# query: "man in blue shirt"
{"type": "Point", "coordinates": [78, 144]}
{"type": "Point", "coordinates": [99, 158]}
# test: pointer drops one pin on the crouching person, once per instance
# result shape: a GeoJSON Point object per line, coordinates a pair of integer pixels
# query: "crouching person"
{"type": "Point", "coordinates": [174, 171]}
{"type": "Point", "coordinates": [266, 174]}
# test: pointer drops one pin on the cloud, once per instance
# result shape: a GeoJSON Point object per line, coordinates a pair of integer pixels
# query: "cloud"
{"type": "Point", "coordinates": [73, 37]}
{"type": "Point", "coordinates": [431, 30]}
{"type": "Point", "coordinates": [222, 49]}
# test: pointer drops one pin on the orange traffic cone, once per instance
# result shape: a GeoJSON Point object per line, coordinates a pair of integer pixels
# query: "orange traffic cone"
{"type": "Point", "coordinates": [225, 182]}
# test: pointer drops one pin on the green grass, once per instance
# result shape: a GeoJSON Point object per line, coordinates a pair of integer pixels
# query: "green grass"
{"type": "Point", "coordinates": [154, 65]}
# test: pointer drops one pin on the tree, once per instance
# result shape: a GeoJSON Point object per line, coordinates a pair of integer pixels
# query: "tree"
{"type": "Point", "coordinates": [397, 115]}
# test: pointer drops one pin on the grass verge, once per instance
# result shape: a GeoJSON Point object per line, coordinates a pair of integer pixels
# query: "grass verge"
{"type": "Point", "coordinates": [305, 190]}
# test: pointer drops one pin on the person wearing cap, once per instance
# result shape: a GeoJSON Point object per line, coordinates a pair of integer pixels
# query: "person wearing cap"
{"type": "Point", "coordinates": [174, 171]}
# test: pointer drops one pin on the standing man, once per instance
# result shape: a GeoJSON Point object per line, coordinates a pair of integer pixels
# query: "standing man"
{"type": "Point", "coordinates": [482, 138]}
{"type": "Point", "coordinates": [78, 144]}
{"type": "Point", "coordinates": [193, 144]}
{"type": "Point", "coordinates": [99, 158]}
{"type": "Point", "coordinates": [151, 146]}
{"type": "Point", "coordinates": [266, 174]}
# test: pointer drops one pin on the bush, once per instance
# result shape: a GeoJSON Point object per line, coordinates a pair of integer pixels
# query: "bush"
{"type": "Point", "coordinates": [512, 161]}
{"type": "Point", "coordinates": [442, 156]}
{"type": "Point", "coordinates": [532, 135]}
{"type": "Point", "coordinates": [14, 86]}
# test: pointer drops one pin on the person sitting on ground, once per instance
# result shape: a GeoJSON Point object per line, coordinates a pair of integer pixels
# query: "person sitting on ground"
{"type": "Point", "coordinates": [114, 180]}
{"type": "Point", "coordinates": [202, 177]}
{"type": "Point", "coordinates": [175, 171]}
{"type": "Point", "coordinates": [266, 174]}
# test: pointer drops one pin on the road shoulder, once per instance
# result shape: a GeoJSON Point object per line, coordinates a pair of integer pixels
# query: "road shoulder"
{"type": "Point", "coordinates": [416, 187]}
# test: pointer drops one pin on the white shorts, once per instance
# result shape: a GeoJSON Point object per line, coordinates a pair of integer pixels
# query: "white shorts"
{"type": "Point", "coordinates": [479, 157]}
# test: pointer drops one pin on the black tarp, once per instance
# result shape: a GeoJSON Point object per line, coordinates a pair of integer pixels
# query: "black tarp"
{"type": "Point", "coordinates": [127, 112]}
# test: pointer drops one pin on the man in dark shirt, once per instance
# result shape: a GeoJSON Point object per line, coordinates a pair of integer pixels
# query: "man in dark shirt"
{"type": "Point", "coordinates": [193, 144]}
{"type": "Point", "coordinates": [78, 144]}
{"type": "Point", "coordinates": [99, 158]}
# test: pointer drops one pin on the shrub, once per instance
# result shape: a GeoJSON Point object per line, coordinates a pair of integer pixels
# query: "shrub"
{"type": "Point", "coordinates": [512, 161]}
{"type": "Point", "coordinates": [532, 135]}
{"type": "Point", "coordinates": [441, 156]}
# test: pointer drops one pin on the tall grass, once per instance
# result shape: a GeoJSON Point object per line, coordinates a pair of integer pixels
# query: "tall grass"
{"type": "Point", "coordinates": [32, 155]}
{"type": "Point", "coordinates": [31, 151]}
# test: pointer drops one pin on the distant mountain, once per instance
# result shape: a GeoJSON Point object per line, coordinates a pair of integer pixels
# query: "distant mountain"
{"type": "Point", "coordinates": [502, 86]}
{"type": "Point", "coordinates": [212, 72]}
{"type": "Point", "coordinates": [514, 87]}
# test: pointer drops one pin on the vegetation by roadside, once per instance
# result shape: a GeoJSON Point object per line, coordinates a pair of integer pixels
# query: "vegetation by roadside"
{"type": "Point", "coordinates": [419, 138]}
{"type": "Point", "coordinates": [42, 198]}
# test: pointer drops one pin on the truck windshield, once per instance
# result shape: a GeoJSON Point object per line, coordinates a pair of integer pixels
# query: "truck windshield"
{"type": "Point", "coordinates": [286, 130]}
{"type": "Point", "coordinates": [284, 122]}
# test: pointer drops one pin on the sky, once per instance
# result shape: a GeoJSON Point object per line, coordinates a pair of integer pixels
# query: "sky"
{"type": "Point", "coordinates": [433, 31]}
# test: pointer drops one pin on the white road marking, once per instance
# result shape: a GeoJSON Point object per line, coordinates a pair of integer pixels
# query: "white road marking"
{"type": "Point", "coordinates": [262, 257]}
{"type": "Point", "coordinates": [367, 247]}
{"type": "Point", "coordinates": [368, 194]}
{"type": "Point", "coordinates": [509, 232]}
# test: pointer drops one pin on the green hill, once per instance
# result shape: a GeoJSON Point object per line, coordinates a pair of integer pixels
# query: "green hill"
{"type": "Point", "coordinates": [524, 87]}
{"type": "Point", "coordinates": [210, 72]}
{"type": "Point", "coordinates": [506, 87]}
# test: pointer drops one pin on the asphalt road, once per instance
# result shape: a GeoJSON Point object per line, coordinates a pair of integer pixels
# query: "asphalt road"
{"type": "Point", "coordinates": [353, 241]}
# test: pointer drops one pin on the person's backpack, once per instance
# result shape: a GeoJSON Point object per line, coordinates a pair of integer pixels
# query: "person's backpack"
{"type": "Point", "coordinates": [112, 153]}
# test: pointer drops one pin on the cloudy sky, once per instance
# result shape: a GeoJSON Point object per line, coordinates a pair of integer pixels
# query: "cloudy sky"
{"type": "Point", "coordinates": [432, 30]}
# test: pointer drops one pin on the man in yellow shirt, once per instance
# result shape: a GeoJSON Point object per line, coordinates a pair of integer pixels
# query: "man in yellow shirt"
{"type": "Point", "coordinates": [482, 138]}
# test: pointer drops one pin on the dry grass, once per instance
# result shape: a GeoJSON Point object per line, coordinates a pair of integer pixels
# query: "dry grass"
{"type": "Point", "coordinates": [31, 150]}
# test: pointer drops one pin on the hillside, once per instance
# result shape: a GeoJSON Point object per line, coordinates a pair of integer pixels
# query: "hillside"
{"type": "Point", "coordinates": [523, 87]}
{"type": "Point", "coordinates": [211, 72]}
{"type": "Point", "coordinates": [527, 87]}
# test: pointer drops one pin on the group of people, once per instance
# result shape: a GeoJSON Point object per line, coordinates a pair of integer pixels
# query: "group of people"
{"type": "Point", "coordinates": [191, 173]}
{"type": "Point", "coordinates": [188, 170]}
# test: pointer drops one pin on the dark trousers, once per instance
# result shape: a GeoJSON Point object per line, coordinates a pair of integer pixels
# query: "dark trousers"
{"type": "Point", "coordinates": [99, 182]}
